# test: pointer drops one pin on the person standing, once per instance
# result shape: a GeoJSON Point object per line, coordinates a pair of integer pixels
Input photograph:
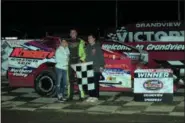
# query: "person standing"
{"type": "Point", "coordinates": [95, 54]}
{"type": "Point", "coordinates": [62, 59]}
{"type": "Point", "coordinates": [77, 55]}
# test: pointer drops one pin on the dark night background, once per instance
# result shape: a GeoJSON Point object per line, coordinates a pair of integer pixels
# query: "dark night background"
{"type": "Point", "coordinates": [35, 18]}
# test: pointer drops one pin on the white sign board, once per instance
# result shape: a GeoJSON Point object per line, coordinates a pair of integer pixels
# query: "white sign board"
{"type": "Point", "coordinates": [153, 85]}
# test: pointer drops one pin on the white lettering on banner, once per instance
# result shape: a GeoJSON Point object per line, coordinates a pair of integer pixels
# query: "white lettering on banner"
{"type": "Point", "coordinates": [153, 81]}
{"type": "Point", "coordinates": [138, 36]}
{"type": "Point", "coordinates": [115, 47]}
{"type": "Point", "coordinates": [149, 35]}
{"type": "Point", "coordinates": [151, 99]}
{"type": "Point", "coordinates": [153, 95]}
{"type": "Point", "coordinates": [170, 24]}
{"type": "Point", "coordinates": [159, 34]}
{"type": "Point", "coordinates": [163, 47]}
{"type": "Point", "coordinates": [175, 33]}
{"type": "Point", "coordinates": [153, 75]}
{"type": "Point", "coordinates": [139, 46]}
{"type": "Point", "coordinates": [153, 70]}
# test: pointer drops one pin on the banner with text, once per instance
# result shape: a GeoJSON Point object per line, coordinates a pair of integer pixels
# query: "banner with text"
{"type": "Point", "coordinates": [145, 31]}
{"type": "Point", "coordinates": [153, 85]}
{"type": "Point", "coordinates": [172, 51]}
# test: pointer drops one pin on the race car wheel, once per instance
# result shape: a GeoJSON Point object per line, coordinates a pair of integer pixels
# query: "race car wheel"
{"type": "Point", "coordinates": [45, 83]}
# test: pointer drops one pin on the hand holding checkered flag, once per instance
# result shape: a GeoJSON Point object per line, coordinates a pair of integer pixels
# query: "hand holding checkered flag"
{"type": "Point", "coordinates": [85, 75]}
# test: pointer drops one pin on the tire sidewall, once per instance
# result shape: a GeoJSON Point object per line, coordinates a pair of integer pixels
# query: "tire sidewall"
{"type": "Point", "coordinates": [51, 75]}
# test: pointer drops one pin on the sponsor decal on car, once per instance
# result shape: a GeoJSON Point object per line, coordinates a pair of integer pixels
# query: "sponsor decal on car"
{"type": "Point", "coordinates": [110, 78]}
{"type": "Point", "coordinates": [23, 53]}
{"type": "Point", "coordinates": [20, 72]}
{"type": "Point", "coordinates": [121, 66]}
{"type": "Point", "coordinates": [133, 56]}
{"type": "Point", "coordinates": [115, 71]}
{"type": "Point", "coordinates": [153, 85]}
{"type": "Point", "coordinates": [112, 56]}
{"type": "Point", "coordinates": [22, 61]}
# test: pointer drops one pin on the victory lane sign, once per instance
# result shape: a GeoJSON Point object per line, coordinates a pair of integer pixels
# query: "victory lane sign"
{"type": "Point", "coordinates": [153, 85]}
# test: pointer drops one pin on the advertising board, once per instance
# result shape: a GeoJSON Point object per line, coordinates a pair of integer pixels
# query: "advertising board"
{"type": "Point", "coordinates": [154, 85]}
{"type": "Point", "coordinates": [147, 31]}
{"type": "Point", "coordinates": [153, 37]}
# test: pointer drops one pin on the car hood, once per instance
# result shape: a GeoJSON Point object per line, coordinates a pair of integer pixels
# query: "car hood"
{"type": "Point", "coordinates": [37, 45]}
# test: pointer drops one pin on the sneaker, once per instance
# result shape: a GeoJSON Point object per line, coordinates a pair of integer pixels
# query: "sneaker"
{"type": "Point", "coordinates": [93, 100]}
{"type": "Point", "coordinates": [61, 100]}
{"type": "Point", "coordinates": [70, 99]}
{"type": "Point", "coordinates": [82, 99]}
{"type": "Point", "coordinates": [64, 99]}
{"type": "Point", "coordinates": [181, 82]}
{"type": "Point", "coordinates": [88, 99]}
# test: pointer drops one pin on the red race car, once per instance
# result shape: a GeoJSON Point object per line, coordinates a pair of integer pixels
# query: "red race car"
{"type": "Point", "coordinates": [32, 65]}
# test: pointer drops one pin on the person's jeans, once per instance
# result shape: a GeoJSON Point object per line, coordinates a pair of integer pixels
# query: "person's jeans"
{"type": "Point", "coordinates": [61, 82]}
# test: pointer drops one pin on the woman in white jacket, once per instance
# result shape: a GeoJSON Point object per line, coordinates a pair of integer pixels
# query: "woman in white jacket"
{"type": "Point", "coordinates": [62, 58]}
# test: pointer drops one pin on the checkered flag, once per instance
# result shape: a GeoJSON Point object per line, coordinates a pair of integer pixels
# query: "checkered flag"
{"type": "Point", "coordinates": [85, 75]}
{"type": "Point", "coordinates": [113, 36]}
{"type": "Point", "coordinates": [121, 30]}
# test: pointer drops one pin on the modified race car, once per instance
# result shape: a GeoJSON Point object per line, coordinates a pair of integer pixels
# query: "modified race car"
{"type": "Point", "coordinates": [32, 65]}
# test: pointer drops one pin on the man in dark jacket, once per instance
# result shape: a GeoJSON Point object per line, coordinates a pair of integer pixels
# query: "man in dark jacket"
{"type": "Point", "coordinates": [77, 55]}
{"type": "Point", "coordinates": [95, 54]}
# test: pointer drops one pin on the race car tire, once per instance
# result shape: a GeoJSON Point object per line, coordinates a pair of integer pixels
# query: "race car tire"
{"type": "Point", "coordinates": [45, 83]}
